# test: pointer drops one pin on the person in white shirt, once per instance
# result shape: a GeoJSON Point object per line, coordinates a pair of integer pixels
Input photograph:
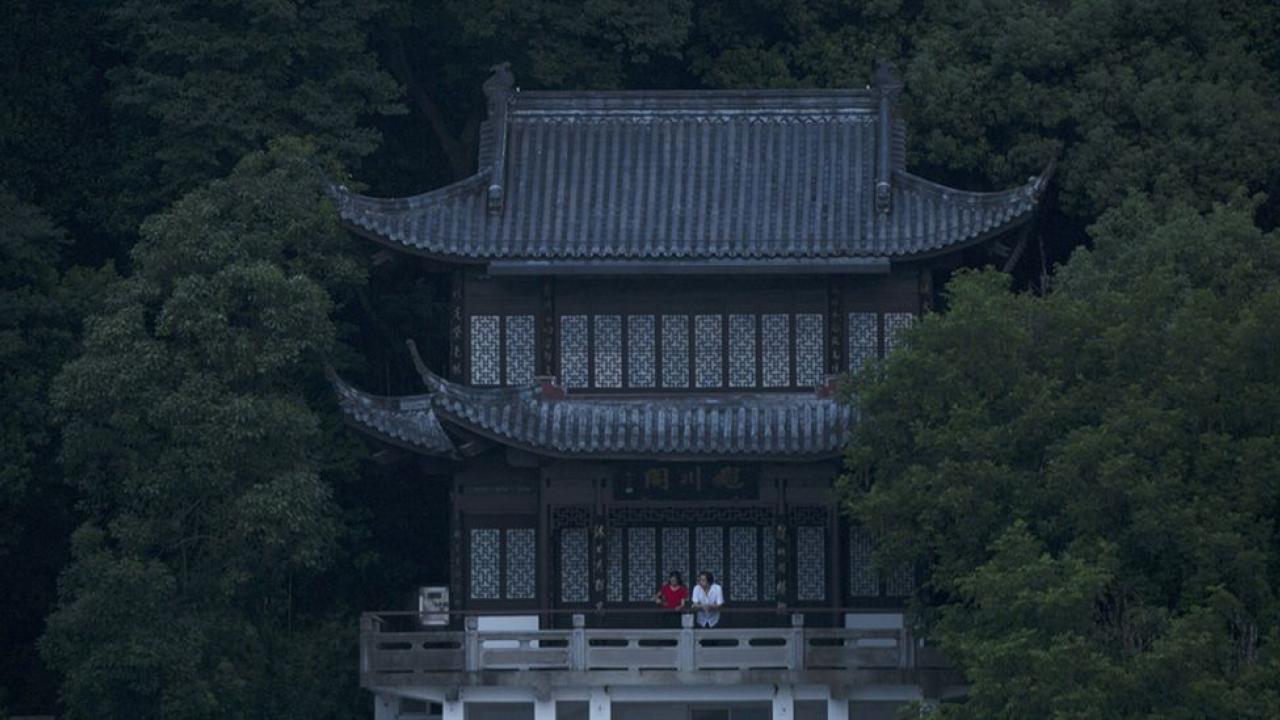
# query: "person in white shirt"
{"type": "Point", "coordinates": [707, 599]}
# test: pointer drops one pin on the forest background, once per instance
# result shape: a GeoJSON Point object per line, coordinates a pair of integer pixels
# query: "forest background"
{"type": "Point", "coordinates": [1084, 455]}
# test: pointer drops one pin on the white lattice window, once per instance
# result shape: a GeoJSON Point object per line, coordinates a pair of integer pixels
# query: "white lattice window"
{"type": "Point", "coordinates": [709, 550]}
{"type": "Point", "coordinates": [575, 565]}
{"type": "Point", "coordinates": [864, 339]}
{"type": "Point", "coordinates": [708, 343]}
{"type": "Point", "coordinates": [777, 350]}
{"type": "Point", "coordinates": [520, 349]}
{"type": "Point", "coordinates": [573, 350]}
{"type": "Point", "coordinates": [486, 563]}
{"type": "Point", "coordinates": [743, 577]}
{"type": "Point", "coordinates": [675, 351]}
{"type": "Point", "coordinates": [811, 563]}
{"type": "Point", "coordinates": [895, 326]}
{"type": "Point", "coordinates": [608, 351]}
{"type": "Point", "coordinates": [641, 361]}
{"type": "Point", "coordinates": [864, 580]}
{"type": "Point", "coordinates": [810, 350]}
{"type": "Point", "coordinates": [485, 344]}
{"type": "Point", "coordinates": [522, 564]}
{"type": "Point", "coordinates": [742, 351]}
{"type": "Point", "coordinates": [642, 563]}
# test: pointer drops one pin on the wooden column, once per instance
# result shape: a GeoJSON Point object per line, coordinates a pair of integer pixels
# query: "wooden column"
{"type": "Point", "coordinates": [457, 548]}
{"type": "Point", "coordinates": [836, 561]}
{"type": "Point", "coordinates": [835, 325]}
{"type": "Point", "coordinates": [457, 334]}
{"type": "Point", "coordinates": [543, 585]}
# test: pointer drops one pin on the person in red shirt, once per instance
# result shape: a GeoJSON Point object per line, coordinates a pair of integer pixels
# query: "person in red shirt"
{"type": "Point", "coordinates": [673, 594]}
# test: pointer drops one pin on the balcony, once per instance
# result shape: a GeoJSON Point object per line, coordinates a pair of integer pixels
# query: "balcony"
{"type": "Point", "coordinates": [395, 654]}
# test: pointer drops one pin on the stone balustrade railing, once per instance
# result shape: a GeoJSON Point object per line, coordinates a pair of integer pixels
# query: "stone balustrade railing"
{"type": "Point", "coordinates": [394, 657]}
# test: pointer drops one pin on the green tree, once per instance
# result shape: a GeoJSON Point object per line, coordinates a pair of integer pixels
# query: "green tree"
{"type": "Point", "coordinates": [201, 84]}
{"type": "Point", "coordinates": [39, 311]}
{"type": "Point", "coordinates": [1090, 476]}
{"type": "Point", "coordinates": [193, 436]}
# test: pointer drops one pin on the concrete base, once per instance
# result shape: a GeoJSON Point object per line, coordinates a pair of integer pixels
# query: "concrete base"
{"type": "Point", "coordinates": [742, 702]}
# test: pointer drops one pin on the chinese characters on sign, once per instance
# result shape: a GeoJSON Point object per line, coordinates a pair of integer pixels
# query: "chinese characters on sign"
{"type": "Point", "coordinates": [700, 481]}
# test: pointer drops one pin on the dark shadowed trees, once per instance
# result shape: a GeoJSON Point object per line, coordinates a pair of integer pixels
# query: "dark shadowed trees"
{"type": "Point", "coordinates": [1089, 477]}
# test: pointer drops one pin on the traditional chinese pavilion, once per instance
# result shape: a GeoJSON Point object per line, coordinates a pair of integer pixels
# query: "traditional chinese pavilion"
{"type": "Point", "coordinates": [652, 293]}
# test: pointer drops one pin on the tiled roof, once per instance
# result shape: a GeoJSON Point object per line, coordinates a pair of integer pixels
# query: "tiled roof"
{"type": "Point", "coordinates": [705, 175]}
{"type": "Point", "coordinates": [747, 426]}
{"type": "Point", "coordinates": [408, 421]}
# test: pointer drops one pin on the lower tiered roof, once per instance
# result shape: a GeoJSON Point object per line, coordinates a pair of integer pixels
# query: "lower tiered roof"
{"type": "Point", "coordinates": [543, 420]}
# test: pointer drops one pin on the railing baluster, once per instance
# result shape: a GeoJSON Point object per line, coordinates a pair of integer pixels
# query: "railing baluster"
{"type": "Point", "coordinates": [578, 643]}
{"type": "Point", "coordinates": [473, 643]}
{"type": "Point", "coordinates": [797, 642]}
{"type": "Point", "coordinates": [685, 651]}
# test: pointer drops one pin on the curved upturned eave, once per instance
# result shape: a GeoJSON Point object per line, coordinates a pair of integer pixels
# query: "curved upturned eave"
{"type": "Point", "coordinates": [926, 219]}
{"type": "Point", "coordinates": [407, 421]}
{"type": "Point", "coordinates": [1002, 211]}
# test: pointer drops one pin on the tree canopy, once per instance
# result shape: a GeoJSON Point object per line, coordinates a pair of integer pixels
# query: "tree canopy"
{"type": "Point", "coordinates": [1086, 472]}
{"type": "Point", "coordinates": [1089, 476]}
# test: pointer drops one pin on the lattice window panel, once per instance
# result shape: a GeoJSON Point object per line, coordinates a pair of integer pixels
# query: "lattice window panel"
{"type": "Point", "coordinates": [575, 573]}
{"type": "Point", "coordinates": [901, 582]}
{"type": "Point", "coordinates": [641, 357]}
{"type": "Point", "coordinates": [864, 580]}
{"type": "Point", "coordinates": [520, 349]}
{"type": "Point", "coordinates": [522, 563]}
{"type": "Point", "coordinates": [742, 351]}
{"type": "Point", "coordinates": [810, 360]}
{"type": "Point", "coordinates": [864, 339]}
{"type": "Point", "coordinates": [570, 516]}
{"type": "Point", "coordinates": [675, 553]}
{"type": "Point", "coordinates": [895, 327]}
{"type": "Point", "coordinates": [776, 330]}
{"type": "Point", "coordinates": [573, 350]}
{"type": "Point", "coordinates": [613, 590]}
{"type": "Point", "coordinates": [808, 515]}
{"type": "Point", "coordinates": [708, 348]}
{"type": "Point", "coordinates": [486, 558]}
{"type": "Point", "coordinates": [642, 564]}
{"type": "Point", "coordinates": [626, 516]}
{"type": "Point", "coordinates": [675, 351]}
{"type": "Point", "coordinates": [811, 563]}
{"type": "Point", "coordinates": [608, 350]}
{"type": "Point", "coordinates": [485, 344]}
{"type": "Point", "coordinates": [768, 565]}
{"type": "Point", "coordinates": [709, 550]}
{"type": "Point", "coordinates": [742, 580]}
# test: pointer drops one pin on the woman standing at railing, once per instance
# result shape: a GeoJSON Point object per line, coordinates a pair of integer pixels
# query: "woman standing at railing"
{"type": "Point", "coordinates": [673, 595]}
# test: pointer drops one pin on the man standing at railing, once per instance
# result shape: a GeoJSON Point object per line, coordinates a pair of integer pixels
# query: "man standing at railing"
{"type": "Point", "coordinates": [707, 599]}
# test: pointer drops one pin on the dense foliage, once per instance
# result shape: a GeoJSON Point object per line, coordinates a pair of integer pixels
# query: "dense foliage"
{"type": "Point", "coordinates": [198, 460]}
{"type": "Point", "coordinates": [168, 255]}
{"type": "Point", "coordinates": [1090, 477]}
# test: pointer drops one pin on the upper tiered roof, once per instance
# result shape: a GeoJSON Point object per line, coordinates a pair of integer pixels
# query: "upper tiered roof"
{"type": "Point", "coordinates": [619, 181]}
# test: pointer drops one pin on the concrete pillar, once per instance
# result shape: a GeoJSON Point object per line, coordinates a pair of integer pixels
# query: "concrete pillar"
{"type": "Point", "coordinates": [599, 705]}
{"type": "Point", "coordinates": [838, 708]}
{"type": "Point", "coordinates": [385, 707]}
{"type": "Point", "coordinates": [578, 643]}
{"type": "Point", "coordinates": [686, 652]}
{"type": "Point", "coordinates": [544, 709]}
{"type": "Point", "coordinates": [784, 703]}
{"type": "Point", "coordinates": [453, 710]}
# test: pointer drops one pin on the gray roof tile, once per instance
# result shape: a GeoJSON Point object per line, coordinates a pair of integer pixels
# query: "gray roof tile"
{"type": "Point", "coordinates": [709, 175]}
{"type": "Point", "coordinates": [409, 421]}
{"type": "Point", "coordinates": [792, 426]}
